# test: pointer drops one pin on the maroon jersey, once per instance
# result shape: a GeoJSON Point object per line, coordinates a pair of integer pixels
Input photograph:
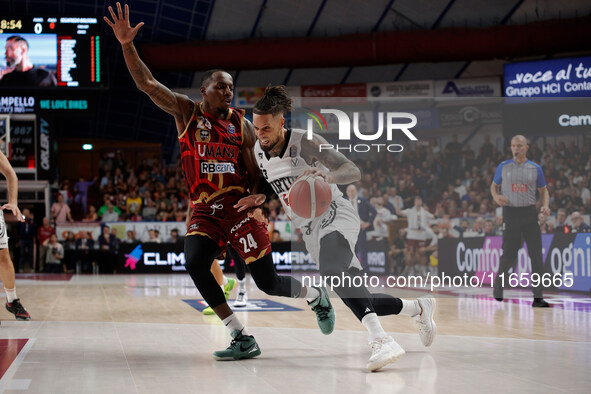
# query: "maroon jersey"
{"type": "Point", "coordinates": [210, 155]}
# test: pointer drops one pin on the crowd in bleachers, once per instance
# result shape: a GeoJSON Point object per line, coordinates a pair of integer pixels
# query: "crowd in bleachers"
{"type": "Point", "coordinates": [453, 181]}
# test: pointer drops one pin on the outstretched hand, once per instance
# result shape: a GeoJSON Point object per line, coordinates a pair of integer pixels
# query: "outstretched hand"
{"type": "Point", "coordinates": [247, 202]}
{"type": "Point", "coordinates": [120, 25]}
{"type": "Point", "coordinates": [15, 211]}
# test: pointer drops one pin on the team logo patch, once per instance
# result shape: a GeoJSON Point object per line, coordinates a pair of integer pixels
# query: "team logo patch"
{"type": "Point", "coordinates": [293, 151]}
{"type": "Point", "coordinates": [217, 168]}
{"type": "Point", "coordinates": [294, 162]}
{"type": "Point", "coordinates": [204, 134]}
{"type": "Point", "coordinates": [231, 129]}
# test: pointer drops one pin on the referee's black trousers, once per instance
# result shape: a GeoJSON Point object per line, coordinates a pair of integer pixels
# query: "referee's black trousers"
{"type": "Point", "coordinates": [521, 223]}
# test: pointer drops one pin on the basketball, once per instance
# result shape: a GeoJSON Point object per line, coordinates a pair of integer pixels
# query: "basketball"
{"type": "Point", "coordinates": [310, 197]}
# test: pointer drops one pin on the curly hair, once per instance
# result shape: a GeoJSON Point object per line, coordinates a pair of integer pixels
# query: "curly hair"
{"type": "Point", "coordinates": [274, 101]}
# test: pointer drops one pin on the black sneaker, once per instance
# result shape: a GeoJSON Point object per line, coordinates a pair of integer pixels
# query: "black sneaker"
{"type": "Point", "coordinates": [540, 303]}
{"type": "Point", "coordinates": [18, 310]}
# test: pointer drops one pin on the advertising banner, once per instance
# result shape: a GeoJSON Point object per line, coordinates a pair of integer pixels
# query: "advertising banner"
{"type": "Point", "coordinates": [570, 77]}
{"type": "Point", "coordinates": [563, 254]}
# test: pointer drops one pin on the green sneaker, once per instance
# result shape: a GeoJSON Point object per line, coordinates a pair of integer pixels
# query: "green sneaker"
{"type": "Point", "coordinates": [228, 287]}
{"type": "Point", "coordinates": [208, 311]}
{"type": "Point", "coordinates": [242, 346]}
{"type": "Point", "coordinates": [325, 313]}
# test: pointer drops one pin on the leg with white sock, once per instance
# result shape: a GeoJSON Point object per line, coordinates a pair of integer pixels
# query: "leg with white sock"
{"type": "Point", "coordinates": [335, 256]}
{"type": "Point", "coordinates": [200, 252]}
{"type": "Point", "coordinates": [7, 277]}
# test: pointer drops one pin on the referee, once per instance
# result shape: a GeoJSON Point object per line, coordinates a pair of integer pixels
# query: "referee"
{"type": "Point", "coordinates": [518, 178]}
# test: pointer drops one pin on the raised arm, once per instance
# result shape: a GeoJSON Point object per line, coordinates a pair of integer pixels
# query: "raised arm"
{"type": "Point", "coordinates": [178, 105]}
{"type": "Point", "coordinates": [12, 186]}
{"type": "Point", "coordinates": [342, 171]}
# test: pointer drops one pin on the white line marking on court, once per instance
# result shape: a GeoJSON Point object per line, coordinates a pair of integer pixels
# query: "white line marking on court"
{"type": "Point", "coordinates": [7, 383]}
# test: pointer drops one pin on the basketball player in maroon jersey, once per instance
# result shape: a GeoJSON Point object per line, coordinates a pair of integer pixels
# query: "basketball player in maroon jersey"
{"type": "Point", "coordinates": [216, 153]}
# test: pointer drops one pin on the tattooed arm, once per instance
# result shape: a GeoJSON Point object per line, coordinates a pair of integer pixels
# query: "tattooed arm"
{"type": "Point", "coordinates": [342, 171]}
{"type": "Point", "coordinates": [178, 105]}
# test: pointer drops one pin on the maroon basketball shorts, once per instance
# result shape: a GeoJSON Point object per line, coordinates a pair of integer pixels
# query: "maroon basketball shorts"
{"type": "Point", "coordinates": [221, 222]}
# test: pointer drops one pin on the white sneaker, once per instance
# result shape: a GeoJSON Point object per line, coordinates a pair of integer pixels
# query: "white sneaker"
{"type": "Point", "coordinates": [241, 299]}
{"type": "Point", "coordinates": [384, 350]}
{"type": "Point", "coordinates": [424, 320]}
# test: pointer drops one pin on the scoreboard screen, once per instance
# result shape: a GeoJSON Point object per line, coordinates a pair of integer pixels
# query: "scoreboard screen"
{"type": "Point", "coordinates": [60, 52]}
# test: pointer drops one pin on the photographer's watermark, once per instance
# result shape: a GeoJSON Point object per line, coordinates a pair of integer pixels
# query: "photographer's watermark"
{"type": "Point", "coordinates": [391, 122]}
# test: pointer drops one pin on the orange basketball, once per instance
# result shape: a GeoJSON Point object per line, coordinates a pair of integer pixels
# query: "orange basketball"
{"type": "Point", "coordinates": [310, 197]}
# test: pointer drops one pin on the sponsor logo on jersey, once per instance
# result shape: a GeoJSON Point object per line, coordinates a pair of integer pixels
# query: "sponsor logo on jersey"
{"type": "Point", "coordinates": [204, 134]}
{"type": "Point", "coordinates": [217, 168]}
{"type": "Point", "coordinates": [194, 227]}
{"type": "Point", "coordinates": [293, 151]}
{"type": "Point", "coordinates": [216, 151]}
{"type": "Point", "coordinates": [231, 129]}
{"type": "Point", "coordinates": [239, 225]}
{"type": "Point", "coordinates": [519, 187]}
{"type": "Point", "coordinates": [203, 123]}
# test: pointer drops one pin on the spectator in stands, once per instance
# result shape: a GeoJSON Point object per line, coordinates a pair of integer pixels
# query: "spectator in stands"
{"type": "Point", "coordinates": [111, 214]}
{"type": "Point", "coordinates": [43, 234]}
{"type": "Point", "coordinates": [444, 233]}
{"type": "Point", "coordinates": [107, 241]}
{"type": "Point", "coordinates": [462, 228]}
{"type": "Point", "coordinates": [417, 233]}
{"type": "Point", "coordinates": [453, 154]}
{"type": "Point", "coordinates": [105, 179]}
{"type": "Point", "coordinates": [131, 237]}
{"type": "Point", "coordinates": [27, 232]}
{"type": "Point", "coordinates": [153, 236]}
{"type": "Point", "coordinates": [174, 236]}
{"type": "Point", "coordinates": [561, 226]}
{"type": "Point", "coordinates": [133, 203]}
{"type": "Point", "coordinates": [91, 216]}
{"type": "Point", "coordinates": [396, 253]}
{"type": "Point", "coordinates": [81, 190]}
{"type": "Point", "coordinates": [55, 255]}
{"type": "Point", "coordinates": [84, 248]}
{"type": "Point", "coordinates": [489, 228]}
{"type": "Point", "coordinates": [60, 211]}
{"type": "Point", "coordinates": [164, 213]}
{"type": "Point", "coordinates": [108, 245]}
{"type": "Point", "coordinates": [65, 190]}
{"type": "Point", "coordinates": [381, 221]}
{"type": "Point", "coordinates": [276, 236]}
{"type": "Point", "coordinates": [579, 226]}
{"type": "Point", "coordinates": [69, 245]}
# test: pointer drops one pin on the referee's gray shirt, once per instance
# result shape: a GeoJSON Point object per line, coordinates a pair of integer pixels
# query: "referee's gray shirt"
{"type": "Point", "coordinates": [519, 182]}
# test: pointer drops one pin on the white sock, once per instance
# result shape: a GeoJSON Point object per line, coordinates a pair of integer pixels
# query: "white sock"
{"type": "Point", "coordinates": [224, 280]}
{"type": "Point", "coordinates": [373, 326]}
{"type": "Point", "coordinates": [242, 284]}
{"type": "Point", "coordinates": [10, 294]}
{"type": "Point", "coordinates": [312, 293]}
{"type": "Point", "coordinates": [410, 308]}
{"type": "Point", "coordinates": [233, 324]}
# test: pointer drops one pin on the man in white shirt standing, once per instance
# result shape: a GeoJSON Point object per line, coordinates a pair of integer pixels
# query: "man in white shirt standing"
{"type": "Point", "coordinates": [416, 235]}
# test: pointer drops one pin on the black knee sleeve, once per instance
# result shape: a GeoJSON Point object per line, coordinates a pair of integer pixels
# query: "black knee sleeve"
{"type": "Point", "coordinates": [265, 276]}
{"type": "Point", "coordinates": [239, 264]}
{"type": "Point", "coordinates": [335, 258]}
{"type": "Point", "coordinates": [200, 251]}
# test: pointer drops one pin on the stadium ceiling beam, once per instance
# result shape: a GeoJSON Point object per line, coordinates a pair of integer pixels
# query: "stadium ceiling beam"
{"type": "Point", "coordinates": [375, 28]}
{"type": "Point", "coordinates": [503, 21]}
{"type": "Point", "coordinates": [411, 46]}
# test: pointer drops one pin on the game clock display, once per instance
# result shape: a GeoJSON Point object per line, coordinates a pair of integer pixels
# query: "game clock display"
{"type": "Point", "coordinates": [63, 51]}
